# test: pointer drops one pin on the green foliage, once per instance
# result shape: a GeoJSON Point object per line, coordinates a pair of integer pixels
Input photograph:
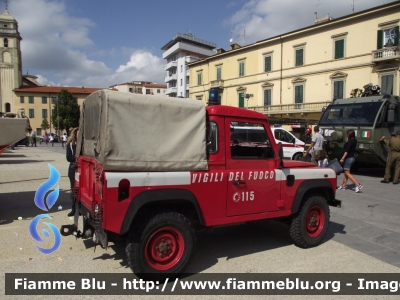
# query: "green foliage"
{"type": "Point", "coordinates": [45, 124]}
{"type": "Point", "coordinates": [67, 109]}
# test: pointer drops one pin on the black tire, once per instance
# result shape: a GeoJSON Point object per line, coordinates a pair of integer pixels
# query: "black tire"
{"type": "Point", "coordinates": [162, 244]}
{"type": "Point", "coordinates": [308, 227]}
{"type": "Point", "coordinates": [298, 156]}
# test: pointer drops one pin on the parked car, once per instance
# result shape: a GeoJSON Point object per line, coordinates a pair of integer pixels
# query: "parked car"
{"type": "Point", "coordinates": [23, 142]}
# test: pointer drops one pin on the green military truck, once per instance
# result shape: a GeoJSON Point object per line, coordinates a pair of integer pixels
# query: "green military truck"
{"type": "Point", "coordinates": [371, 117]}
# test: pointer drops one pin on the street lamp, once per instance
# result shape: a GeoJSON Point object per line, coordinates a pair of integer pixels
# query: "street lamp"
{"type": "Point", "coordinates": [248, 96]}
{"type": "Point", "coordinates": [58, 120]}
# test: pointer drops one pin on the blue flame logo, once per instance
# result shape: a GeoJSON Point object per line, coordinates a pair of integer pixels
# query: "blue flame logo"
{"type": "Point", "coordinates": [35, 234]}
{"type": "Point", "coordinates": [45, 187]}
{"type": "Point", "coordinates": [40, 203]}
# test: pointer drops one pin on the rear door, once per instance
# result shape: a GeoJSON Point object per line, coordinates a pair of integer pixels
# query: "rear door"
{"type": "Point", "coordinates": [250, 167]}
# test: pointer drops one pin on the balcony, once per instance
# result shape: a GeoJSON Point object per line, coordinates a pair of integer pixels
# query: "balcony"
{"type": "Point", "coordinates": [171, 90]}
{"type": "Point", "coordinates": [294, 108]}
{"type": "Point", "coordinates": [170, 78]}
{"type": "Point", "coordinates": [217, 83]}
{"type": "Point", "coordinates": [170, 65]}
{"type": "Point", "coordinates": [385, 54]}
{"type": "Point", "coordinates": [190, 59]}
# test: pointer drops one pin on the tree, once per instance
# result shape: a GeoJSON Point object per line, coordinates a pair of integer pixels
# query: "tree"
{"type": "Point", "coordinates": [45, 124]}
{"type": "Point", "coordinates": [66, 111]}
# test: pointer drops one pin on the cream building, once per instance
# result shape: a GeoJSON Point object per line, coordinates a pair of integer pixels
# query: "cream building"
{"type": "Point", "coordinates": [291, 77]}
{"type": "Point", "coordinates": [39, 102]}
{"type": "Point", "coordinates": [141, 87]}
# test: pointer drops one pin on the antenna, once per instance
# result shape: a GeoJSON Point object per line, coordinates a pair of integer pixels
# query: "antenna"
{"type": "Point", "coordinates": [6, 2]}
{"type": "Point", "coordinates": [231, 39]}
{"type": "Point", "coordinates": [352, 6]}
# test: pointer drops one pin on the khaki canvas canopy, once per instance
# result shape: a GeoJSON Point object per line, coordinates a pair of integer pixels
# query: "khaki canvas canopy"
{"type": "Point", "coordinates": [135, 132]}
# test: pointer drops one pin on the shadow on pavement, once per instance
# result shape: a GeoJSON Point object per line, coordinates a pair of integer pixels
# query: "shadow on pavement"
{"type": "Point", "coordinates": [11, 155]}
{"type": "Point", "coordinates": [15, 205]}
{"type": "Point", "coordinates": [16, 162]}
{"type": "Point", "coordinates": [229, 242]}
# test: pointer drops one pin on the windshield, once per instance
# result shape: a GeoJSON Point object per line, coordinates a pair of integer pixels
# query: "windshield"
{"type": "Point", "coordinates": [360, 114]}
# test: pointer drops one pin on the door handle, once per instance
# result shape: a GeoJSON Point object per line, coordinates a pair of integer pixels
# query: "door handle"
{"type": "Point", "coordinates": [239, 183]}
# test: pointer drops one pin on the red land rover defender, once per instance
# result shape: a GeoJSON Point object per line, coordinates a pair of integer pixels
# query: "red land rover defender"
{"type": "Point", "coordinates": [152, 168]}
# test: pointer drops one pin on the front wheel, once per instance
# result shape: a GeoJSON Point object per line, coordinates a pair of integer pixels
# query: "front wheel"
{"type": "Point", "coordinates": [308, 227]}
{"type": "Point", "coordinates": [164, 243]}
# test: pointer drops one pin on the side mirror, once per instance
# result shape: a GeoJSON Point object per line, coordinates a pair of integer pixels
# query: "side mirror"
{"type": "Point", "coordinates": [280, 155]}
{"type": "Point", "coordinates": [323, 109]}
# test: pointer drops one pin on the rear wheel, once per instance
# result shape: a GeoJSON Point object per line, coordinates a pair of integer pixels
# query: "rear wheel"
{"type": "Point", "coordinates": [298, 156]}
{"type": "Point", "coordinates": [308, 227]}
{"type": "Point", "coordinates": [163, 244]}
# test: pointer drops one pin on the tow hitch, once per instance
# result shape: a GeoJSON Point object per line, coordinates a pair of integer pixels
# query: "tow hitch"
{"type": "Point", "coordinates": [67, 230]}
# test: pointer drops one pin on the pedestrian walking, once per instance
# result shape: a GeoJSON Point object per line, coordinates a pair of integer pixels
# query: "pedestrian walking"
{"type": "Point", "coordinates": [33, 138]}
{"type": "Point", "coordinates": [46, 138]}
{"type": "Point", "coordinates": [317, 145]}
{"type": "Point", "coordinates": [71, 158]}
{"type": "Point", "coordinates": [393, 159]}
{"type": "Point", "coordinates": [307, 144]}
{"type": "Point", "coordinates": [348, 160]}
{"type": "Point", "coordinates": [64, 140]}
{"type": "Point", "coordinates": [52, 139]}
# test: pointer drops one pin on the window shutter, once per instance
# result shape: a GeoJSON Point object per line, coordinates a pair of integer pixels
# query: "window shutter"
{"type": "Point", "coordinates": [396, 40]}
{"type": "Point", "coordinates": [299, 57]}
{"type": "Point", "coordinates": [380, 39]}
{"type": "Point", "coordinates": [267, 67]}
{"type": "Point", "coordinates": [387, 84]}
{"type": "Point", "coordinates": [339, 49]}
{"type": "Point", "coordinates": [218, 73]}
{"type": "Point", "coordinates": [338, 90]}
{"type": "Point", "coordinates": [267, 97]}
{"type": "Point", "coordinates": [298, 97]}
{"type": "Point", "coordinates": [241, 69]}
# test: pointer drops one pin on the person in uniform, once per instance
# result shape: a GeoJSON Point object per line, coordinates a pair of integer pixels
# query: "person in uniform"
{"type": "Point", "coordinates": [385, 147]}
{"type": "Point", "coordinates": [394, 145]}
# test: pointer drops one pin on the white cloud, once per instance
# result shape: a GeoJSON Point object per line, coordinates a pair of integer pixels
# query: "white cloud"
{"type": "Point", "coordinates": [142, 66]}
{"type": "Point", "coordinates": [262, 19]}
{"type": "Point", "coordinates": [139, 60]}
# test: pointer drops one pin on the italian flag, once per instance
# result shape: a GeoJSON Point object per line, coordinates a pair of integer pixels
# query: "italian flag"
{"type": "Point", "coordinates": [366, 134]}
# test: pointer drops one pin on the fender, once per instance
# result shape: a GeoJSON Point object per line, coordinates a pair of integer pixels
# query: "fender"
{"type": "Point", "coordinates": [312, 184]}
{"type": "Point", "coordinates": [161, 195]}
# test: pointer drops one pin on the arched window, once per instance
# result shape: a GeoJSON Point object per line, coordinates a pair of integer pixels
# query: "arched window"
{"type": "Point", "coordinates": [8, 107]}
{"type": "Point", "coordinates": [6, 42]}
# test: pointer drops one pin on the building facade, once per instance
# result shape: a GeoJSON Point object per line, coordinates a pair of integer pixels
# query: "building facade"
{"type": "Point", "coordinates": [292, 76]}
{"type": "Point", "coordinates": [10, 61]}
{"type": "Point", "coordinates": [183, 49]}
{"type": "Point", "coordinates": [39, 102]}
{"type": "Point", "coordinates": [140, 87]}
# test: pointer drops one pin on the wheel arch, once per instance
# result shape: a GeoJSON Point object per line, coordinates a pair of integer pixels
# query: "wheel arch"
{"type": "Point", "coordinates": [313, 186]}
{"type": "Point", "coordinates": [161, 199]}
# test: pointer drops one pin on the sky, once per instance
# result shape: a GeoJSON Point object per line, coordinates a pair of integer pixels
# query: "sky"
{"type": "Point", "coordinates": [96, 43]}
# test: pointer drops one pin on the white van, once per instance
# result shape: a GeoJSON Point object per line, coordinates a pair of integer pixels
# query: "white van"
{"type": "Point", "coordinates": [292, 147]}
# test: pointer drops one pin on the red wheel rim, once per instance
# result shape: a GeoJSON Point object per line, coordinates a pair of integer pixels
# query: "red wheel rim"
{"type": "Point", "coordinates": [315, 221]}
{"type": "Point", "coordinates": [164, 249]}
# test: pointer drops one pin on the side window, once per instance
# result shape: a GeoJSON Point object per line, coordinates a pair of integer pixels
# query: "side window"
{"type": "Point", "coordinates": [283, 136]}
{"type": "Point", "coordinates": [212, 137]}
{"type": "Point", "coordinates": [249, 141]}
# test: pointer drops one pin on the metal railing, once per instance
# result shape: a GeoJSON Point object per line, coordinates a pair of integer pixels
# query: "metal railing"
{"type": "Point", "coordinates": [291, 108]}
{"type": "Point", "coordinates": [192, 38]}
{"type": "Point", "coordinates": [385, 54]}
